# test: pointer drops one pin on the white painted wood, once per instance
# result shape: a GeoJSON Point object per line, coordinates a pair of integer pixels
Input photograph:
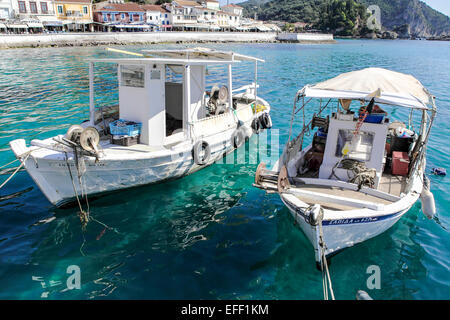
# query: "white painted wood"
{"type": "Point", "coordinates": [377, 155]}
{"type": "Point", "coordinates": [322, 197]}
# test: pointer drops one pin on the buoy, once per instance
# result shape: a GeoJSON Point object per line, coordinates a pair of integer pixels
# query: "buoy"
{"type": "Point", "coordinates": [439, 171]}
{"type": "Point", "coordinates": [427, 199]}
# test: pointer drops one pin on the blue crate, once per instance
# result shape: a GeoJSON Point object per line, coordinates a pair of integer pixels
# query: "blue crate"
{"type": "Point", "coordinates": [125, 128]}
{"type": "Point", "coordinates": [375, 118]}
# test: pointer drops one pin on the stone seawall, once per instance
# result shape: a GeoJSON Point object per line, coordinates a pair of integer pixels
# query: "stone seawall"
{"type": "Point", "coordinates": [87, 39]}
{"type": "Point", "coordinates": [306, 37]}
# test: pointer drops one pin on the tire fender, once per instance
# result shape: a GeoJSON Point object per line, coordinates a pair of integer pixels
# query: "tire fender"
{"type": "Point", "coordinates": [238, 138]}
{"type": "Point", "coordinates": [201, 152]}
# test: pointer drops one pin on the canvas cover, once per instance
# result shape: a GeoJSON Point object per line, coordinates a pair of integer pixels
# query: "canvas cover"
{"type": "Point", "coordinates": [201, 53]}
{"type": "Point", "coordinates": [396, 88]}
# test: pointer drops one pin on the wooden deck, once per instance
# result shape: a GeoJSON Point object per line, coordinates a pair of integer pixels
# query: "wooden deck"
{"type": "Point", "coordinates": [393, 185]}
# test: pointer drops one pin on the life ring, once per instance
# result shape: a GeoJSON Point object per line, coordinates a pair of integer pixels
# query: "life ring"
{"type": "Point", "coordinates": [201, 152]}
{"type": "Point", "coordinates": [238, 138]}
{"type": "Point", "coordinates": [265, 121]}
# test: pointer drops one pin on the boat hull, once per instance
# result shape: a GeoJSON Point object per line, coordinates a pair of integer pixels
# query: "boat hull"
{"type": "Point", "coordinates": [57, 177]}
{"type": "Point", "coordinates": [343, 233]}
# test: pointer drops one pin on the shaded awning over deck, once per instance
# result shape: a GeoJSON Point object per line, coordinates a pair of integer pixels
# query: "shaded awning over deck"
{"type": "Point", "coordinates": [396, 88]}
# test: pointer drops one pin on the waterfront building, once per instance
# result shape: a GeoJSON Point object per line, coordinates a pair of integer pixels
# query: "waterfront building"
{"type": "Point", "coordinates": [233, 9]}
{"type": "Point", "coordinates": [114, 15]}
{"type": "Point", "coordinates": [184, 14]}
{"type": "Point", "coordinates": [75, 15]}
{"type": "Point", "coordinates": [166, 19]}
{"type": "Point", "coordinates": [155, 16]}
{"type": "Point", "coordinates": [210, 4]}
{"type": "Point", "coordinates": [25, 16]}
{"type": "Point", "coordinates": [223, 20]}
{"type": "Point", "coordinates": [207, 19]}
{"type": "Point", "coordinates": [6, 10]}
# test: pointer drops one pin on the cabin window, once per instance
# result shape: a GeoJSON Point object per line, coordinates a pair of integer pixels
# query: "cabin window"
{"type": "Point", "coordinates": [132, 76]}
{"type": "Point", "coordinates": [362, 144]}
{"type": "Point", "coordinates": [174, 98]}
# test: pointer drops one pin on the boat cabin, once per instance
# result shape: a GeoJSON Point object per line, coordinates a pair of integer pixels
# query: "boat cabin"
{"type": "Point", "coordinates": [368, 148]}
{"type": "Point", "coordinates": [166, 92]}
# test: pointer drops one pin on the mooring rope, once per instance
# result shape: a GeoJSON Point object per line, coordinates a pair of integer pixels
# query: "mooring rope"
{"type": "Point", "coordinates": [326, 278]}
{"type": "Point", "coordinates": [17, 170]}
{"type": "Point", "coordinates": [9, 163]}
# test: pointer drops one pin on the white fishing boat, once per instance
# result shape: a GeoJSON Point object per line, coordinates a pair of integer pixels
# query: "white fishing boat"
{"type": "Point", "coordinates": [166, 125]}
{"type": "Point", "coordinates": [360, 174]}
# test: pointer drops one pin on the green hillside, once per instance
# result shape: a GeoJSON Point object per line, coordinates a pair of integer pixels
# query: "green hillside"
{"type": "Point", "coordinates": [348, 17]}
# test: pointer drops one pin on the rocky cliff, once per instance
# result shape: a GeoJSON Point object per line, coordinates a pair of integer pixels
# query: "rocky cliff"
{"type": "Point", "coordinates": [408, 18]}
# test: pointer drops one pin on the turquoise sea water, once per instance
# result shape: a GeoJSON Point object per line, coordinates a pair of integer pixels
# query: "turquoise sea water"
{"type": "Point", "coordinates": [210, 235]}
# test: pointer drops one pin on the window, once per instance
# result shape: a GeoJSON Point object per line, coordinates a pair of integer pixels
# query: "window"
{"type": "Point", "coordinates": [141, 18]}
{"type": "Point", "coordinates": [151, 17]}
{"type": "Point", "coordinates": [33, 7]}
{"type": "Point", "coordinates": [166, 15]}
{"type": "Point", "coordinates": [132, 76]}
{"type": "Point", "coordinates": [131, 17]}
{"type": "Point", "coordinates": [60, 10]}
{"type": "Point", "coordinates": [85, 10]}
{"type": "Point", "coordinates": [105, 17]}
{"type": "Point", "coordinates": [22, 7]}
{"type": "Point", "coordinates": [113, 17]}
{"type": "Point", "coordinates": [123, 16]}
{"type": "Point", "coordinates": [44, 8]}
{"type": "Point", "coordinates": [360, 145]}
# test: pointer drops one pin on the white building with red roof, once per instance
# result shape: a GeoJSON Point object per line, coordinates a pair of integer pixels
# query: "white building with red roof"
{"type": "Point", "coordinates": [233, 8]}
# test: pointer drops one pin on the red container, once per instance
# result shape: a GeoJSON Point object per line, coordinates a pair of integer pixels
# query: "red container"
{"type": "Point", "coordinates": [400, 163]}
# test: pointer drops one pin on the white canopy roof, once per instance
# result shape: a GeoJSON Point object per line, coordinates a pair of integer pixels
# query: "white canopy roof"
{"type": "Point", "coordinates": [396, 88]}
{"type": "Point", "coordinates": [202, 53]}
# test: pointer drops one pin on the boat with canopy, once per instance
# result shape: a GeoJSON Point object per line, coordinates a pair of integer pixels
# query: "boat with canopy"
{"type": "Point", "coordinates": [167, 125]}
{"type": "Point", "coordinates": [360, 171]}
